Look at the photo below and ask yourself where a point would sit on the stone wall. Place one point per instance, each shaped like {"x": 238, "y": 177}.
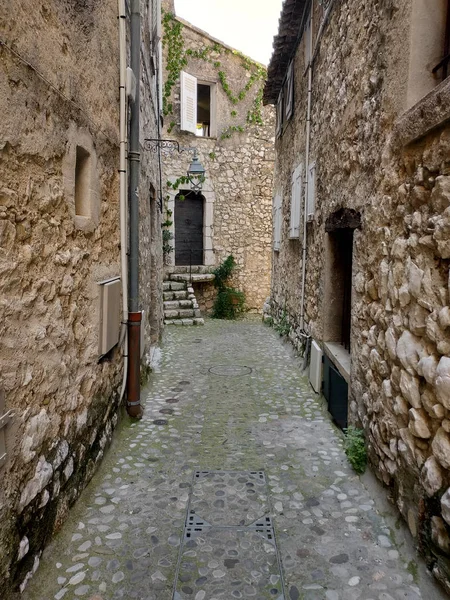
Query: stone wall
{"x": 391, "y": 166}
{"x": 238, "y": 187}
{"x": 63, "y": 399}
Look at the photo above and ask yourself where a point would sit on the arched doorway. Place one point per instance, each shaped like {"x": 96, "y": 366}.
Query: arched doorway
{"x": 189, "y": 228}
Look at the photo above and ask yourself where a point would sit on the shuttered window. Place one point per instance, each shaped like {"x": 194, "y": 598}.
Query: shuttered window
{"x": 277, "y": 221}
{"x": 311, "y": 195}
{"x": 188, "y": 85}
{"x": 296, "y": 202}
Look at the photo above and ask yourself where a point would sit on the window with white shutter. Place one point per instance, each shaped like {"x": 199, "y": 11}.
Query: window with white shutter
{"x": 277, "y": 220}
{"x": 188, "y": 85}
{"x": 289, "y": 95}
{"x": 311, "y": 195}
{"x": 296, "y": 202}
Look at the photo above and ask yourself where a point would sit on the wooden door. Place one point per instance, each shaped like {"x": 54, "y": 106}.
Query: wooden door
{"x": 189, "y": 229}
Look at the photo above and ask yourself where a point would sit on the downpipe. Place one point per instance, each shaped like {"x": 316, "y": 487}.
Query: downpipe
{"x": 134, "y": 408}
{"x": 123, "y": 190}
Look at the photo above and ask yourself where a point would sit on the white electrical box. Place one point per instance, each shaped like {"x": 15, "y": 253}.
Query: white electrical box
{"x": 315, "y": 367}
{"x": 109, "y": 326}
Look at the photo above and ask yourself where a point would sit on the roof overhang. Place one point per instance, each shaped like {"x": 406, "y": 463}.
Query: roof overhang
{"x": 285, "y": 43}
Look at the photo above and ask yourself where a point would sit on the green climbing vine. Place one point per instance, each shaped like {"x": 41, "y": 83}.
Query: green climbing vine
{"x": 177, "y": 59}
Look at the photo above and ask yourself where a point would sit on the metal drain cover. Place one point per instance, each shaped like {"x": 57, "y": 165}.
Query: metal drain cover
{"x": 184, "y": 382}
{"x": 166, "y": 411}
{"x": 230, "y": 370}
{"x": 160, "y": 422}
{"x": 172, "y": 400}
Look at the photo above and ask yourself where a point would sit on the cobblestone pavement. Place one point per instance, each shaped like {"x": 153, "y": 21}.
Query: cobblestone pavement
{"x": 234, "y": 476}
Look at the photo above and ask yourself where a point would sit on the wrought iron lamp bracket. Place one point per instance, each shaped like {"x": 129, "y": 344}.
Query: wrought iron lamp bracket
{"x": 167, "y": 146}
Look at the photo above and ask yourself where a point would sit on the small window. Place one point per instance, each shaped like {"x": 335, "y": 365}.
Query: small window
{"x": 197, "y": 106}
{"x": 82, "y": 183}
{"x": 289, "y": 93}
{"x": 203, "y": 110}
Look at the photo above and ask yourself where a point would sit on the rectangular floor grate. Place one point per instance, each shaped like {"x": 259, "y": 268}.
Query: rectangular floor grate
{"x": 227, "y": 546}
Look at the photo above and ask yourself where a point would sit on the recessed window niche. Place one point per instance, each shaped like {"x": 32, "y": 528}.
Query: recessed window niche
{"x": 81, "y": 180}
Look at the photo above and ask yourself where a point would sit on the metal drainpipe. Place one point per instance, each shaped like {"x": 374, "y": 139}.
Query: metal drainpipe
{"x": 134, "y": 408}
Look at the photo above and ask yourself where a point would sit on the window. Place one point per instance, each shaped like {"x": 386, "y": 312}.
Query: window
{"x": 289, "y": 93}
{"x": 82, "y": 183}
{"x": 429, "y": 47}
{"x": 311, "y": 194}
{"x": 296, "y": 199}
{"x": 197, "y": 106}
{"x": 277, "y": 206}
{"x": 443, "y": 65}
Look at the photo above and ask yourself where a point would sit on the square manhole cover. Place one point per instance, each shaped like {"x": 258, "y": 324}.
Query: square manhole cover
{"x": 229, "y": 498}
{"x": 229, "y": 563}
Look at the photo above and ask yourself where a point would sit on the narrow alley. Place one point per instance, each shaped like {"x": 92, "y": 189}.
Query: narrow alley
{"x": 233, "y": 485}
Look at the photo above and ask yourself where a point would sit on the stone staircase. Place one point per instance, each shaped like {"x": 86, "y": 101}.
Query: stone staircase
{"x": 180, "y": 305}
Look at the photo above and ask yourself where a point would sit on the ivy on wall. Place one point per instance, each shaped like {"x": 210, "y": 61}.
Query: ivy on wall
{"x": 178, "y": 57}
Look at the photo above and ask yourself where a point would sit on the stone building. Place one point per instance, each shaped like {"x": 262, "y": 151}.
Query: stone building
{"x": 361, "y": 247}
{"x": 60, "y": 361}
{"x": 212, "y": 99}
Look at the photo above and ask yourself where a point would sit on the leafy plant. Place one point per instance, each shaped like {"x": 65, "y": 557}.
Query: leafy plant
{"x": 229, "y": 302}
{"x": 283, "y": 327}
{"x": 355, "y": 448}
{"x": 167, "y": 237}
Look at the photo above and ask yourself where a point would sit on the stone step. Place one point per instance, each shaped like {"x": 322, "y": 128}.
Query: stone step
{"x": 182, "y": 295}
{"x": 186, "y": 322}
{"x": 174, "y": 286}
{"x": 177, "y": 304}
{"x": 181, "y": 313}
{"x": 195, "y": 278}
{"x": 185, "y": 269}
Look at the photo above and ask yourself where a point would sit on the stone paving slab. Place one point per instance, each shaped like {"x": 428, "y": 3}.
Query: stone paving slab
{"x": 228, "y": 397}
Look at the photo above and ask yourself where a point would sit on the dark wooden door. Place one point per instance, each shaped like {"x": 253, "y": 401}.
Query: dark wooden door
{"x": 189, "y": 229}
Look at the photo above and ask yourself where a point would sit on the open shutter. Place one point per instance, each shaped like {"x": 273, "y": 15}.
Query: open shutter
{"x": 296, "y": 199}
{"x": 311, "y": 198}
{"x": 188, "y": 85}
{"x": 279, "y": 125}
{"x": 289, "y": 92}
{"x": 307, "y": 37}
{"x": 160, "y": 76}
{"x": 277, "y": 222}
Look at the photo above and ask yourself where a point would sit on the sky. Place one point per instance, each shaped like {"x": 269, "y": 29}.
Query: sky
{"x": 246, "y": 25}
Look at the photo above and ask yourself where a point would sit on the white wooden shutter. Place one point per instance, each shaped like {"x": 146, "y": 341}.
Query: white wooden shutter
{"x": 279, "y": 124}
{"x": 307, "y": 38}
{"x": 296, "y": 202}
{"x": 160, "y": 75}
{"x": 188, "y": 85}
{"x": 277, "y": 222}
{"x": 289, "y": 92}
{"x": 311, "y": 196}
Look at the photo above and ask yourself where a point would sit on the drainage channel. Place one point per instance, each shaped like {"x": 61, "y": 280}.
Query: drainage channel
{"x": 229, "y": 548}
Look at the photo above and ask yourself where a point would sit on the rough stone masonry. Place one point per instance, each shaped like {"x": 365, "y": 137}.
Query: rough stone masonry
{"x": 380, "y": 140}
